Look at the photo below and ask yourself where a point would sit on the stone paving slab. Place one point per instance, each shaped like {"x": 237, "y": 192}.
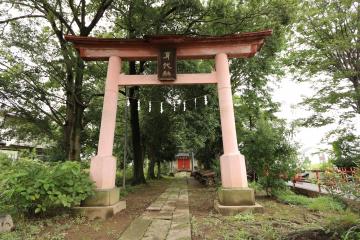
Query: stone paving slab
{"x": 165, "y": 215}
{"x": 167, "y": 218}
{"x": 179, "y": 231}
{"x": 158, "y": 230}
{"x": 136, "y": 230}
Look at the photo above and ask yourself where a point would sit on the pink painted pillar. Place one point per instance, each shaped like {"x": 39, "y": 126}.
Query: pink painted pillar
{"x": 103, "y": 165}
{"x": 232, "y": 163}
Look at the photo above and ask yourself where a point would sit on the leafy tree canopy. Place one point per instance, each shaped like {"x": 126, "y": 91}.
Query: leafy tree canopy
{"x": 326, "y": 52}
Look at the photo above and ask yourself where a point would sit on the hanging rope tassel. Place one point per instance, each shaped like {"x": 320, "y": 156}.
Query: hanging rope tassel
{"x": 184, "y": 106}
{"x": 149, "y": 106}
{"x": 205, "y": 100}
{"x": 195, "y": 102}
{"x": 138, "y": 107}
{"x": 161, "y": 108}
{"x": 128, "y": 102}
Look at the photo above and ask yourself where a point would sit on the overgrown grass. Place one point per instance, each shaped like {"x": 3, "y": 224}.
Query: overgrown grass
{"x": 288, "y": 197}
{"x": 346, "y": 224}
{"x": 322, "y": 203}
{"x": 242, "y": 217}
{"x": 325, "y": 204}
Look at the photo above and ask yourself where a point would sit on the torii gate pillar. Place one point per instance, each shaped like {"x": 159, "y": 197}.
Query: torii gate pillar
{"x": 234, "y": 196}
{"x": 232, "y": 163}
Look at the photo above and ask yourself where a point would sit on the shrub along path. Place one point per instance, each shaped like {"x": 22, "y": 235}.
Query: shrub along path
{"x": 66, "y": 226}
{"x": 166, "y": 218}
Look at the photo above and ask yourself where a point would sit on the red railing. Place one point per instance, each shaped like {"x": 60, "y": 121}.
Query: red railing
{"x": 347, "y": 174}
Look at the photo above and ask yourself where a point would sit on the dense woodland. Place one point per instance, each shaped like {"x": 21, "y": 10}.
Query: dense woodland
{"x": 50, "y": 96}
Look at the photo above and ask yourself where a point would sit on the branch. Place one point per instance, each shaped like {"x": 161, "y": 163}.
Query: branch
{"x": 100, "y": 12}
{"x": 49, "y": 9}
{"x": 100, "y": 95}
{"x": 75, "y": 12}
{"x": 21, "y": 17}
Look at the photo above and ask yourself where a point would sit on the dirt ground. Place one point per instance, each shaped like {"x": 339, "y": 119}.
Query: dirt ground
{"x": 279, "y": 221}
{"x": 136, "y": 203}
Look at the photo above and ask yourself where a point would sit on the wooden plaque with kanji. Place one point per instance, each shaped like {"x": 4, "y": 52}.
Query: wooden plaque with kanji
{"x": 167, "y": 64}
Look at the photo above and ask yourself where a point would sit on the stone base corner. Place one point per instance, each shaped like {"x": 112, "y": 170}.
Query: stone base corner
{"x": 233, "y": 210}
{"x": 103, "y": 204}
{"x": 102, "y": 212}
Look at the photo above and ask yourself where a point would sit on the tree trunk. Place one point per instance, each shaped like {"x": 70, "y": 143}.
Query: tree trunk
{"x": 75, "y": 112}
{"x": 158, "y": 169}
{"x": 355, "y": 81}
{"x": 138, "y": 170}
{"x": 151, "y": 172}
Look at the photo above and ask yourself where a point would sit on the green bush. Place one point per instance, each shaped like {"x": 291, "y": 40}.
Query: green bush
{"x": 256, "y": 186}
{"x": 31, "y": 186}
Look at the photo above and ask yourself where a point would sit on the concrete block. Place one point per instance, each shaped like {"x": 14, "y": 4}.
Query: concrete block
{"x": 6, "y": 223}
{"x": 102, "y": 212}
{"x": 103, "y": 197}
{"x": 236, "y": 196}
{"x": 233, "y": 210}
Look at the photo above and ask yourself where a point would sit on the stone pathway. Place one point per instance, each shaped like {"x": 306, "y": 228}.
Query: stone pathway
{"x": 167, "y": 218}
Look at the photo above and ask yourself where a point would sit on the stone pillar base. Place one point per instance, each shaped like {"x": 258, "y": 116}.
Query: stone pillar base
{"x": 236, "y": 196}
{"x": 236, "y": 200}
{"x": 103, "y": 204}
{"x": 233, "y": 210}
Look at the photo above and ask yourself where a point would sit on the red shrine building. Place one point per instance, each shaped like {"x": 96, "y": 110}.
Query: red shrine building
{"x": 183, "y": 162}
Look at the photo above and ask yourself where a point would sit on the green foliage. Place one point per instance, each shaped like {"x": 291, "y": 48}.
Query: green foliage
{"x": 32, "y": 187}
{"x": 326, "y": 44}
{"x": 346, "y": 150}
{"x": 268, "y": 151}
{"x": 43, "y": 82}
{"x": 341, "y": 184}
{"x": 256, "y": 186}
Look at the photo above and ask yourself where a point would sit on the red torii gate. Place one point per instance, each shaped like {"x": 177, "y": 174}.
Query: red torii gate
{"x": 235, "y": 195}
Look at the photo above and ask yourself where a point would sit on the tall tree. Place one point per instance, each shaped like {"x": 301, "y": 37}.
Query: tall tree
{"x": 35, "y": 94}
{"x": 135, "y": 19}
{"x": 326, "y": 53}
